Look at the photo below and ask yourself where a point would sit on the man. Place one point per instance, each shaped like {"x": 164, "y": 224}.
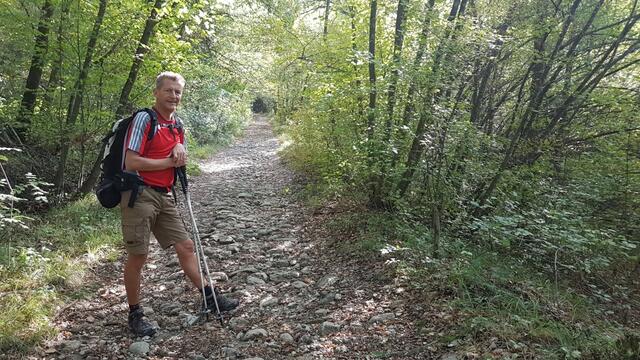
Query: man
{"x": 154, "y": 209}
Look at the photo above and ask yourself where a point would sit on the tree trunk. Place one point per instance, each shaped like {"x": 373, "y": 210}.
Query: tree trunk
{"x": 76, "y": 97}
{"x": 395, "y": 67}
{"x": 138, "y": 58}
{"x": 375, "y": 199}
{"x": 55, "y": 78}
{"x": 354, "y": 49}
{"x": 371, "y": 116}
{"x": 381, "y": 178}
{"x": 92, "y": 177}
{"x": 41, "y": 46}
{"x": 422, "y": 47}
{"x": 436, "y": 228}
{"x": 414, "y": 154}
{"x": 482, "y": 95}
{"x": 325, "y": 29}
{"x": 409, "y": 108}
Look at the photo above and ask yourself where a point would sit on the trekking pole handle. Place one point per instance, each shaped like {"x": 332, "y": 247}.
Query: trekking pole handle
{"x": 182, "y": 175}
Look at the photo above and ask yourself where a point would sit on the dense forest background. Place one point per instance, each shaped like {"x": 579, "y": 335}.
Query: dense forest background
{"x": 494, "y": 146}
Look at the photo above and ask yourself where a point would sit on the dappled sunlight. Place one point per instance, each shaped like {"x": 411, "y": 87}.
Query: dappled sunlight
{"x": 215, "y": 166}
{"x": 284, "y": 145}
{"x": 272, "y": 145}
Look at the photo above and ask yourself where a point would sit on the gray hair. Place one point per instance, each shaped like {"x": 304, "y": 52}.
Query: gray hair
{"x": 171, "y": 76}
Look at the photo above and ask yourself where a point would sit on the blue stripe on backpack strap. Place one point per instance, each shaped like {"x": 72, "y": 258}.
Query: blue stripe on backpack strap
{"x": 139, "y": 125}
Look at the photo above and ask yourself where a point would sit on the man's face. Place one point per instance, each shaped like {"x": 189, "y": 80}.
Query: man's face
{"x": 168, "y": 95}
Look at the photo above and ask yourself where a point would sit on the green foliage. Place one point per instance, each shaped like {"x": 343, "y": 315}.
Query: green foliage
{"x": 43, "y": 265}
{"x": 509, "y": 131}
{"x": 553, "y": 231}
{"x": 216, "y": 104}
{"x": 499, "y": 302}
{"x": 25, "y": 319}
{"x": 13, "y": 195}
{"x": 506, "y": 301}
{"x": 505, "y": 133}
{"x": 213, "y": 115}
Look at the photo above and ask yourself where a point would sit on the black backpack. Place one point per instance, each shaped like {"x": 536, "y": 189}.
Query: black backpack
{"x": 113, "y": 180}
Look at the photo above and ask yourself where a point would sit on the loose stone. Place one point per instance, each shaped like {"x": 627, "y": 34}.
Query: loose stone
{"x": 255, "y": 333}
{"x": 139, "y": 348}
{"x": 328, "y": 327}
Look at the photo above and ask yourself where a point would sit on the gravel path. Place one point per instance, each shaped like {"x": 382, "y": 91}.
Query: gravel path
{"x": 301, "y": 297}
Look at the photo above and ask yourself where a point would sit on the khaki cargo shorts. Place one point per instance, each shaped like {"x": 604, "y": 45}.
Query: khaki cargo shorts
{"x": 153, "y": 212}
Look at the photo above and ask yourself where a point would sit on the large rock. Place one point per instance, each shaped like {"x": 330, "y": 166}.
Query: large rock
{"x": 72, "y": 345}
{"x": 299, "y": 284}
{"x": 327, "y": 281}
{"x": 227, "y": 240}
{"x": 255, "y": 334}
{"x": 281, "y": 263}
{"x": 282, "y": 276}
{"x": 268, "y": 301}
{"x": 328, "y": 327}
{"x": 191, "y": 320}
{"x": 148, "y": 310}
{"x": 230, "y": 353}
{"x": 219, "y": 275}
{"x": 287, "y": 338}
{"x": 253, "y": 280}
{"x": 247, "y": 269}
{"x": 238, "y": 323}
{"x": 210, "y": 251}
{"x": 382, "y": 318}
{"x": 261, "y": 275}
{"x": 172, "y": 308}
{"x": 139, "y": 348}
{"x": 327, "y": 298}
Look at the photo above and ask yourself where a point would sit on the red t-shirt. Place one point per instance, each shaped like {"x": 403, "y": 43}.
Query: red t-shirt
{"x": 164, "y": 140}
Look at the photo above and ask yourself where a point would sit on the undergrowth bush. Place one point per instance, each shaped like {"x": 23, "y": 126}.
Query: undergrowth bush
{"x": 43, "y": 265}
{"x": 511, "y": 303}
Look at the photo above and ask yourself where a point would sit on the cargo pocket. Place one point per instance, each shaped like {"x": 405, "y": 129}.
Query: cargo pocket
{"x": 135, "y": 233}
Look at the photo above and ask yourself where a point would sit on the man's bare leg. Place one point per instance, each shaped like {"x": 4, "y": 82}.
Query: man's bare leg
{"x": 132, "y": 276}
{"x": 189, "y": 262}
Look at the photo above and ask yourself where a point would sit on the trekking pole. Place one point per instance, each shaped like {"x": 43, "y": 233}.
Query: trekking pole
{"x": 200, "y": 255}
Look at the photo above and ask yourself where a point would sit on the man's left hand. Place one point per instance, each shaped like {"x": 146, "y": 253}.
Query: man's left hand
{"x": 179, "y": 153}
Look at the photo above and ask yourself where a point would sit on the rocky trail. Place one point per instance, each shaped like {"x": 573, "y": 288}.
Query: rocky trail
{"x": 301, "y": 297}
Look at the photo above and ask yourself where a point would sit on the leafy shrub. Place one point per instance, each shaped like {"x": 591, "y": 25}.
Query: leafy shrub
{"x": 212, "y": 114}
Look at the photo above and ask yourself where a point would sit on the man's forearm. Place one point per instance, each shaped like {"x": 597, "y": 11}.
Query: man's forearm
{"x": 136, "y": 162}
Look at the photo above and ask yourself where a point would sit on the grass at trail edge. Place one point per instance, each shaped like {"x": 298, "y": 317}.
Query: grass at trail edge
{"x": 43, "y": 267}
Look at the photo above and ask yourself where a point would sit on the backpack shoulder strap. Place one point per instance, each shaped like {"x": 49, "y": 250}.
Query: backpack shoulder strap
{"x": 179, "y": 124}
{"x": 154, "y": 122}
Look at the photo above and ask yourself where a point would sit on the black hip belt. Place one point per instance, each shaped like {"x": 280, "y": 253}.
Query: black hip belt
{"x": 160, "y": 189}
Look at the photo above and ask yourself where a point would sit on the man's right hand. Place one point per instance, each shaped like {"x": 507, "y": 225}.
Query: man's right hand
{"x": 178, "y": 162}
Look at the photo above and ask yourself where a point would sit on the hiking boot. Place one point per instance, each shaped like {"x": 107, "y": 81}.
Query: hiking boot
{"x": 224, "y": 303}
{"x": 139, "y": 325}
